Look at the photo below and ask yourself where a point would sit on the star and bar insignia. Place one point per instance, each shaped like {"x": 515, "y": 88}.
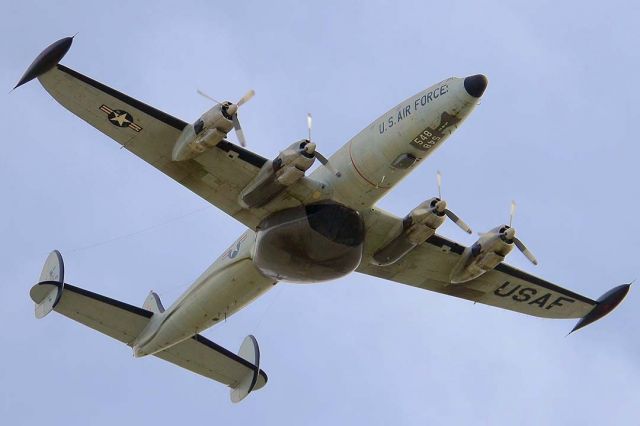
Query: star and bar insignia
{"x": 120, "y": 118}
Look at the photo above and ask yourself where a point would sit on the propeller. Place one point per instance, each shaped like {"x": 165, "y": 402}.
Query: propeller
{"x": 204, "y": 95}
{"x": 512, "y": 212}
{"x": 310, "y": 149}
{"x": 509, "y": 236}
{"x": 232, "y": 110}
{"x": 527, "y": 253}
{"x": 440, "y": 208}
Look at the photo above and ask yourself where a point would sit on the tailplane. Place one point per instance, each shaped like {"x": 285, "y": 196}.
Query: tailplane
{"x": 125, "y": 322}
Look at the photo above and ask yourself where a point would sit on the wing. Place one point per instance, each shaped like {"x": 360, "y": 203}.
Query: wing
{"x": 218, "y": 175}
{"x": 428, "y": 267}
{"x": 124, "y": 322}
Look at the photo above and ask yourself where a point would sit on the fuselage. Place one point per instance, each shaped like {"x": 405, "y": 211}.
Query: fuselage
{"x": 394, "y": 144}
{"x": 322, "y": 239}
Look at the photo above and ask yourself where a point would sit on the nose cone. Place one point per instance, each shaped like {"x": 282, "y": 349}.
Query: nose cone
{"x": 475, "y": 85}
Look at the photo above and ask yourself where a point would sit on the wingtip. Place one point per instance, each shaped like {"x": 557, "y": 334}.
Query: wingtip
{"x": 46, "y": 60}
{"x": 605, "y": 304}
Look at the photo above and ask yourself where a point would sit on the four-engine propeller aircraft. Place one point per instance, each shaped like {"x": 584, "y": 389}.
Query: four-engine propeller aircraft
{"x": 300, "y": 228}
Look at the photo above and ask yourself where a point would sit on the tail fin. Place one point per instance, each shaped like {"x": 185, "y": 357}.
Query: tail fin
{"x": 153, "y": 303}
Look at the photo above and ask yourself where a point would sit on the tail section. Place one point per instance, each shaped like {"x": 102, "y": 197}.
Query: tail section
{"x": 250, "y": 352}
{"x": 47, "y": 297}
{"x": 152, "y": 303}
{"x": 125, "y": 322}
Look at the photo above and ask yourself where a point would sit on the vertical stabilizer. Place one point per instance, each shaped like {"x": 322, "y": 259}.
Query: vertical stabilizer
{"x": 250, "y": 352}
{"x": 152, "y": 303}
{"x": 46, "y": 294}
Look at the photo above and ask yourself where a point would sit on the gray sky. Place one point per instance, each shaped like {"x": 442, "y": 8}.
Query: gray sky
{"x": 556, "y": 130}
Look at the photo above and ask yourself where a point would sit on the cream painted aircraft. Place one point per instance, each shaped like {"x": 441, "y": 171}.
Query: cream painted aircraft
{"x": 300, "y": 228}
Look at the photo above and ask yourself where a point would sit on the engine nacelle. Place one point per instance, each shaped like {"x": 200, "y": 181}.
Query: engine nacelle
{"x": 483, "y": 256}
{"x": 274, "y": 176}
{"x": 417, "y": 227}
{"x": 209, "y": 130}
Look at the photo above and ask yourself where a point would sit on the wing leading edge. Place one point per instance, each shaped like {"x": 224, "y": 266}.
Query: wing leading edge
{"x": 428, "y": 267}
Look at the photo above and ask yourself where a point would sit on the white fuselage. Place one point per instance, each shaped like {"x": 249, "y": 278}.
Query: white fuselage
{"x": 370, "y": 164}
{"x": 415, "y": 127}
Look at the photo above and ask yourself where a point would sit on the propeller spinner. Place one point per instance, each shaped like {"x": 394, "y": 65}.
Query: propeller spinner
{"x": 439, "y": 207}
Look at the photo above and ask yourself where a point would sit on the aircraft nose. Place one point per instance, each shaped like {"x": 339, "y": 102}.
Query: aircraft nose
{"x": 475, "y": 85}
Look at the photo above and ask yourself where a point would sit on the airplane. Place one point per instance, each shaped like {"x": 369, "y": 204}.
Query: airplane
{"x": 302, "y": 229}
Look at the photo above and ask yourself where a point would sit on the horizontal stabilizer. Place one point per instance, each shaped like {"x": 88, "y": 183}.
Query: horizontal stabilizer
{"x": 211, "y": 360}
{"x": 125, "y": 322}
{"x": 116, "y": 319}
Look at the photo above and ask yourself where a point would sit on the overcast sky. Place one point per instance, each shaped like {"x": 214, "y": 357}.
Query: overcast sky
{"x": 556, "y": 131}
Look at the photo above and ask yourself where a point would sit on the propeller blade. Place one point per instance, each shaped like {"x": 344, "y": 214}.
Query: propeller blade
{"x": 513, "y": 212}
{"x": 201, "y": 93}
{"x": 324, "y": 160}
{"x": 239, "y": 132}
{"x": 525, "y": 251}
{"x": 247, "y": 96}
{"x": 439, "y": 179}
{"x": 451, "y": 215}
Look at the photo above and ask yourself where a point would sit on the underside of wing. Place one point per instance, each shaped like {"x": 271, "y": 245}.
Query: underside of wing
{"x": 197, "y": 156}
{"x": 429, "y": 265}
{"x": 218, "y": 175}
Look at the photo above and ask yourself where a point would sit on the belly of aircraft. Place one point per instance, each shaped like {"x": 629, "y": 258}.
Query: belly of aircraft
{"x": 312, "y": 243}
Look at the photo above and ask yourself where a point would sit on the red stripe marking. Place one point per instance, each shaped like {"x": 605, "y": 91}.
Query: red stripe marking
{"x": 361, "y": 175}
